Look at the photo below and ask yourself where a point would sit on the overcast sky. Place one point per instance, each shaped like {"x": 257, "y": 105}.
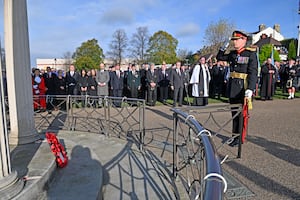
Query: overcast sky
{"x": 59, "y": 26}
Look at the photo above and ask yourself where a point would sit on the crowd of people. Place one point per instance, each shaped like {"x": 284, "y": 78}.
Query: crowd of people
{"x": 233, "y": 74}
{"x": 212, "y": 78}
{"x": 285, "y": 75}
{"x": 208, "y": 78}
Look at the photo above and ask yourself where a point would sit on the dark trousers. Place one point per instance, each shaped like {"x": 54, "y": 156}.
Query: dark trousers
{"x": 237, "y": 121}
{"x": 117, "y": 93}
{"x": 152, "y": 96}
{"x": 163, "y": 93}
{"x": 134, "y": 92}
{"x": 72, "y": 90}
{"x": 176, "y": 92}
{"x": 200, "y": 101}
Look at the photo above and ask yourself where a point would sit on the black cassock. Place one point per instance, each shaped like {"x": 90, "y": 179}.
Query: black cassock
{"x": 268, "y": 79}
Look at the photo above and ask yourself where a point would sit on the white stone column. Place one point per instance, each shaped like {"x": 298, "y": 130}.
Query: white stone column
{"x": 18, "y": 70}
{"x": 10, "y": 184}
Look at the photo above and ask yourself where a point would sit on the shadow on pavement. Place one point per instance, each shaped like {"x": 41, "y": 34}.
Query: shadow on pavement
{"x": 160, "y": 138}
{"x": 80, "y": 179}
{"x": 264, "y": 182}
{"x": 129, "y": 168}
{"x": 278, "y": 150}
{"x": 21, "y": 156}
{"x": 162, "y": 114}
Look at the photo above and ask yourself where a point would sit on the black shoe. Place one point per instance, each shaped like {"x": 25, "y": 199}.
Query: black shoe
{"x": 235, "y": 142}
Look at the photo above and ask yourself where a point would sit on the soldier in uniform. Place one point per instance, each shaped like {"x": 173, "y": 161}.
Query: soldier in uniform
{"x": 243, "y": 75}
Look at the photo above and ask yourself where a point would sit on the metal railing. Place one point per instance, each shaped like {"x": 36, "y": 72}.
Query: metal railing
{"x": 218, "y": 119}
{"x": 195, "y": 159}
{"x": 98, "y": 114}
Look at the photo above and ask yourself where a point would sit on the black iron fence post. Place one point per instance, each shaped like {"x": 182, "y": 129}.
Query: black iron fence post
{"x": 175, "y": 131}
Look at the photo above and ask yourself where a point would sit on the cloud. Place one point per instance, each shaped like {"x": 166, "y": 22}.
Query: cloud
{"x": 189, "y": 29}
{"x": 117, "y": 16}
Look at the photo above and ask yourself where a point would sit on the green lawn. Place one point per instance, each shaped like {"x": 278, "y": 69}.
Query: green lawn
{"x": 278, "y": 95}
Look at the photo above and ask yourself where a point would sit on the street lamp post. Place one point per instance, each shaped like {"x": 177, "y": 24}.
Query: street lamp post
{"x": 298, "y": 47}
{"x": 55, "y": 63}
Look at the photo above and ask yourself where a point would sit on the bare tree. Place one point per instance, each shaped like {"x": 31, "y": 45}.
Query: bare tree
{"x": 68, "y": 59}
{"x": 216, "y": 34}
{"x": 182, "y": 54}
{"x": 139, "y": 44}
{"x": 118, "y": 46}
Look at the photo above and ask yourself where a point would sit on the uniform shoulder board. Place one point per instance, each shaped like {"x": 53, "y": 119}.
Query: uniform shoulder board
{"x": 251, "y": 48}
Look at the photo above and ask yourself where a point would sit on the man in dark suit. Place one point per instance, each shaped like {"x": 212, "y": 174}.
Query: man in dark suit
{"x": 50, "y": 78}
{"x": 177, "y": 84}
{"x": 134, "y": 82}
{"x": 71, "y": 81}
{"x": 163, "y": 82}
{"x": 152, "y": 80}
{"x": 117, "y": 84}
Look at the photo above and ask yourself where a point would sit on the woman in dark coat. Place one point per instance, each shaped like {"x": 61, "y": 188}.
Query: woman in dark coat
{"x": 60, "y": 89}
{"x": 83, "y": 82}
{"x": 83, "y": 85}
{"x": 60, "y": 84}
{"x": 92, "y": 89}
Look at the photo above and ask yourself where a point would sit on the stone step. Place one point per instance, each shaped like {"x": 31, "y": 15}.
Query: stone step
{"x": 35, "y": 163}
{"x": 82, "y": 178}
{"x": 127, "y": 172}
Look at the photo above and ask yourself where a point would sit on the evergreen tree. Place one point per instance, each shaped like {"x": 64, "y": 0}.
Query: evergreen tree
{"x": 89, "y": 55}
{"x": 162, "y": 47}
{"x": 266, "y": 52}
{"x": 292, "y": 50}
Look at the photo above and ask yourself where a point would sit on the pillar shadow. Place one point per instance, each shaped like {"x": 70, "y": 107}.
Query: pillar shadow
{"x": 21, "y": 156}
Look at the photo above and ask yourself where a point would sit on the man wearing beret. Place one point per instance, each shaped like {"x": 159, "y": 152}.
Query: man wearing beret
{"x": 243, "y": 75}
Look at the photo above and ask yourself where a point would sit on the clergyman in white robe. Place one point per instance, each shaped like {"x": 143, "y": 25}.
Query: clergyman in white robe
{"x": 200, "y": 84}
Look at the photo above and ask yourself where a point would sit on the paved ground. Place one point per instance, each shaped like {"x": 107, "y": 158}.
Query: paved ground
{"x": 269, "y": 167}
{"x": 270, "y": 163}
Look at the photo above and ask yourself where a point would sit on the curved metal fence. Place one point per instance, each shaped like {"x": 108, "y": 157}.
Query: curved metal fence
{"x": 98, "y": 114}
{"x": 195, "y": 159}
